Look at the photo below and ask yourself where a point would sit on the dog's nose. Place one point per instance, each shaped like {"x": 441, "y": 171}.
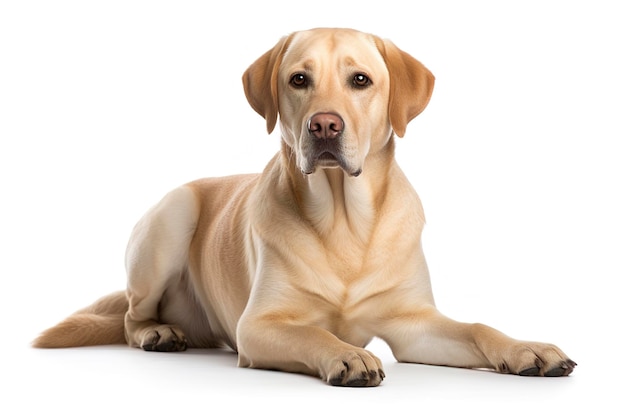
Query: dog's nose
{"x": 325, "y": 125}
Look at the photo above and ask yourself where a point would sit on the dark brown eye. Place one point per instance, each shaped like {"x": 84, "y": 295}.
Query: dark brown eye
{"x": 361, "y": 80}
{"x": 299, "y": 80}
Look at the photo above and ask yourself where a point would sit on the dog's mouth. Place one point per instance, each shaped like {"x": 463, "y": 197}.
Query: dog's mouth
{"x": 329, "y": 159}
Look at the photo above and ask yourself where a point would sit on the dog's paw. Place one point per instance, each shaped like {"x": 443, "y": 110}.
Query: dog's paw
{"x": 536, "y": 359}
{"x": 164, "y": 338}
{"x": 357, "y": 368}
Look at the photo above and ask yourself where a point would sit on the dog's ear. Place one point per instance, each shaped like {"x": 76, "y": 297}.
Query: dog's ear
{"x": 410, "y": 85}
{"x": 260, "y": 83}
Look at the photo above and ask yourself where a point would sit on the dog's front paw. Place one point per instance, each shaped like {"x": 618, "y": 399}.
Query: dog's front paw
{"x": 164, "y": 338}
{"x": 536, "y": 359}
{"x": 357, "y": 368}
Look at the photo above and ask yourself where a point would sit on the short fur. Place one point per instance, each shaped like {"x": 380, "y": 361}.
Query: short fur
{"x": 299, "y": 267}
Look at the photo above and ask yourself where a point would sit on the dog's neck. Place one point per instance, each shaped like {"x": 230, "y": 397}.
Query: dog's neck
{"x": 333, "y": 200}
{"x": 338, "y": 204}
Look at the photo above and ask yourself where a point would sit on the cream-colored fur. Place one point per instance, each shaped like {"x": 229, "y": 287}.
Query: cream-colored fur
{"x": 299, "y": 267}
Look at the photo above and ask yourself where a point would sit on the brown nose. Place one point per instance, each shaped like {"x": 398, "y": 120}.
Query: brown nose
{"x": 325, "y": 125}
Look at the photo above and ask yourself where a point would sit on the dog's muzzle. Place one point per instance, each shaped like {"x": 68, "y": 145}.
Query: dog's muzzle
{"x": 325, "y": 144}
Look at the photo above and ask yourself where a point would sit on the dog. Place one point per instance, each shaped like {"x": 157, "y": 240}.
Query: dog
{"x": 299, "y": 267}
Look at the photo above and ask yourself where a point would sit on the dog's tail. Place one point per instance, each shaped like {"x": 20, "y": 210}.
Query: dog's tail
{"x": 102, "y": 323}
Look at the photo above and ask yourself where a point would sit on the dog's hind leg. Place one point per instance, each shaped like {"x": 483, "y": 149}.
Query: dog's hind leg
{"x": 156, "y": 259}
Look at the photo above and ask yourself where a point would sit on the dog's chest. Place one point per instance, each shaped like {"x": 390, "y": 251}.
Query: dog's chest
{"x": 347, "y": 273}
{"x": 346, "y": 254}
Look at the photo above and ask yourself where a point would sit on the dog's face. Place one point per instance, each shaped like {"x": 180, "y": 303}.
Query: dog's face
{"x": 339, "y": 93}
{"x": 333, "y": 92}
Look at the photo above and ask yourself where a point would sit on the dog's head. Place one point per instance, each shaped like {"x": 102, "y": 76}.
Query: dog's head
{"x": 339, "y": 94}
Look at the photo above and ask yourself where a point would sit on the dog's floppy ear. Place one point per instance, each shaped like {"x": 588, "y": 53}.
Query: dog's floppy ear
{"x": 260, "y": 83}
{"x": 410, "y": 85}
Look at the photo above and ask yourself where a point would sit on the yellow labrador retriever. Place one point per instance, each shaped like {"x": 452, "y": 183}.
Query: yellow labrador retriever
{"x": 299, "y": 267}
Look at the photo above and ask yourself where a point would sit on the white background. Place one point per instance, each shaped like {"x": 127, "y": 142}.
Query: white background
{"x": 519, "y": 160}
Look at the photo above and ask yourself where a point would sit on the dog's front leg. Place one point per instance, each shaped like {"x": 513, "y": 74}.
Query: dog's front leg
{"x": 426, "y": 336}
{"x": 270, "y": 343}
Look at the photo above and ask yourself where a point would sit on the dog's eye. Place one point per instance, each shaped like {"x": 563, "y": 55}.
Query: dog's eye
{"x": 299, "y": 80}
{"x": 361, "y": 80}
